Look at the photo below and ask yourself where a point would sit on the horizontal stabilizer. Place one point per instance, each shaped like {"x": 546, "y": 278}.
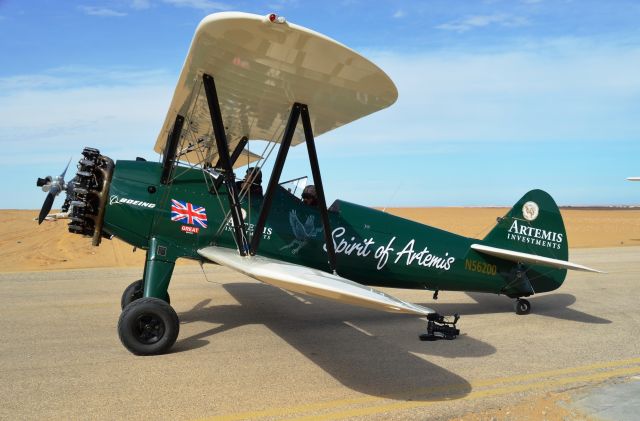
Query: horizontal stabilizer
{"x": 516, "y": 256}
{"x": 305, "y": 280}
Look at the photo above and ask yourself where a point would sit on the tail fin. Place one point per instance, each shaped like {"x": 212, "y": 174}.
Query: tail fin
{"x": 532, "y": 236}
{"x": 534, "y": 225}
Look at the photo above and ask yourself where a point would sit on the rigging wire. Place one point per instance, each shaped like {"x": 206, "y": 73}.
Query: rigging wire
{"x": 206, "y": 278}
{"x": 268, "y": 149}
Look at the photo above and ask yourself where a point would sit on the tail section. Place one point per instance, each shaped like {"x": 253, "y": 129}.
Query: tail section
{"x": 534, "y": 226}
{"x": 532, "y": 239}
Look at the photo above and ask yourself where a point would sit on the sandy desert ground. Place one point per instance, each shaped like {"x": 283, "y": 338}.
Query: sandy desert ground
{"x": 28, "y": 247}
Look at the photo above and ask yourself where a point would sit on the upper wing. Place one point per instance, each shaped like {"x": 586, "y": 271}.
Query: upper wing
{"x": 202, "y": 150}
{"x": 534, "y": 259}
{"x": 260, "y": 69}
{"x": 309, "y": 281}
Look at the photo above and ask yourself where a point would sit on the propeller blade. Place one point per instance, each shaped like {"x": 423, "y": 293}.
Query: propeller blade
{"x": 46, "y": 207}
{"x": 65, "y": 169}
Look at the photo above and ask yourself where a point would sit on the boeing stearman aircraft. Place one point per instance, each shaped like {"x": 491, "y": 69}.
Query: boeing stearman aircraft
{"x": 248, "y": 78}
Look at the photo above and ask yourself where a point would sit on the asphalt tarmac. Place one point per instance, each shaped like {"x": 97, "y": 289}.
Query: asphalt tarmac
{"x": 251, "y": 351}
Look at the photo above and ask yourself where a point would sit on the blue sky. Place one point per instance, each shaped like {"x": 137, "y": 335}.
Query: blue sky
{"x": 495, "y": 97}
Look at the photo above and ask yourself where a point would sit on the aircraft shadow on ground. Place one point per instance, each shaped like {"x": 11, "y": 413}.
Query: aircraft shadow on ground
{"x": 556, "y": 306}
{"x": 384, "y": 364}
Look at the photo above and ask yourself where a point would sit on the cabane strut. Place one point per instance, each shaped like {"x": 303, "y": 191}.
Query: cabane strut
{"x": 239, "y": 230}
{"x": 226, "y": 162}
{"x": 297, "y": 110}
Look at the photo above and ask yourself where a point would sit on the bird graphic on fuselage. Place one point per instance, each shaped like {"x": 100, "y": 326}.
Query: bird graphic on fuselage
{"x": 302, "y": 232}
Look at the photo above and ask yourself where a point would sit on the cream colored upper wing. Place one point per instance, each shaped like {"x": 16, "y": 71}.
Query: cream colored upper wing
{"x": 310, "y": 281}
{"x": 260, "y": 69}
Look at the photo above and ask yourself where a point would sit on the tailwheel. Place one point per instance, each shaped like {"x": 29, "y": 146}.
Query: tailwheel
{"x": 148, "y": 326}
{"x": 522, "y": 306}
{"x": 134, "y": 292}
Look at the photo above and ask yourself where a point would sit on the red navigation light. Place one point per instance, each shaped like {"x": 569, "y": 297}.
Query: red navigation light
{"x": 273, "y": 18}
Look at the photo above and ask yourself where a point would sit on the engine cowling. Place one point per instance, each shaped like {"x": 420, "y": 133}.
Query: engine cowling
{"x": 89, "y": 194}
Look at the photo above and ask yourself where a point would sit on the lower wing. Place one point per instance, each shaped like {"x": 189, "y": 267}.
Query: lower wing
{"x": 305, "y": 280}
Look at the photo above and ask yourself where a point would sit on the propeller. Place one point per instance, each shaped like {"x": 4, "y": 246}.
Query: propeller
{"x": 53, "y": 186}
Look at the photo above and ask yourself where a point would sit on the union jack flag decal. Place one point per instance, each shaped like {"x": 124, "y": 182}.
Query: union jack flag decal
{"x": 187, "y": 213}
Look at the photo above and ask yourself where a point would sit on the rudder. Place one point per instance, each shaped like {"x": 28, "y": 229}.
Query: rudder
{"x": 533, "y": 225}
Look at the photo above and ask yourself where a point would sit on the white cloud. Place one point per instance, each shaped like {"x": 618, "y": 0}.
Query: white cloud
{"x": 481, "y": 21}
{"x": 569, "y": 90}
{"x": 280, "y": 5}
{"x": 559, "y": 90}
{"x": 56, "y": 114}
{"x": 140, "y": 4}
{"x": 63, "y": 77}
{"x": 399, "y": 14}
{"x": 100, "y": 11}
{"x": 199, "y": 4}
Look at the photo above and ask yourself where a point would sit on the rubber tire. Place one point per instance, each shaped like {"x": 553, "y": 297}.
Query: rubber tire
{"x": 522, "y": 307}
{"x": 134, "y": 292}
{"x": 148, "y": 326}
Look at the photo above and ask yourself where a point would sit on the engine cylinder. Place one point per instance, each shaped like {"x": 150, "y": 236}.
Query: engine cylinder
{"x": 89, "y": 195}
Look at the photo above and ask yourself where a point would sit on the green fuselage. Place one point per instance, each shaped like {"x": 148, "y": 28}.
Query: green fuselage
{"x": 372, "y": 247}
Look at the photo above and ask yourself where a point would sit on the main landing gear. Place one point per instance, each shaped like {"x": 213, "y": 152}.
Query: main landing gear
{"x": 148, "y": 326}
{"x": 440, "y": 328}
{"x": 522, "y": 306}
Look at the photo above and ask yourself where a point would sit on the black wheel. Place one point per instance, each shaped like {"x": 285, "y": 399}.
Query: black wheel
{"x": 148, "y": 326}
{"x": 135, "y": 291}
{"x": 131, "y": 293}
{"x": 523, "y": 306}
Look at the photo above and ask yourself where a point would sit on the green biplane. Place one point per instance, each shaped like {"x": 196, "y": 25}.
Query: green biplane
{"x": 256, "y": 78}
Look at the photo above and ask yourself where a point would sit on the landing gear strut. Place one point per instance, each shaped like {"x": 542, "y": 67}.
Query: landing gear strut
{"x": 522, "y": 306}
{"x": 439, "y": 328}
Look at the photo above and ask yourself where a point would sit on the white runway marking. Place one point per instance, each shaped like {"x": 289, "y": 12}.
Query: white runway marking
{"x": 359, "y": 329}
{"x": 297, "y": 297}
